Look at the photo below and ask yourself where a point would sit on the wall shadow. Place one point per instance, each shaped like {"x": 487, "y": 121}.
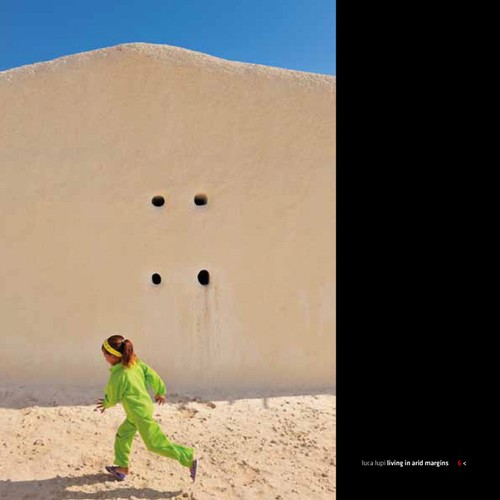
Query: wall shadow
{"x": 57, "y": 488}
{"x": 26, "y": 396}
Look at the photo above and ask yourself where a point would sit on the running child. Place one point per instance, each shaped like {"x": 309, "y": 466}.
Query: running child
{"x": 128, "y": 384}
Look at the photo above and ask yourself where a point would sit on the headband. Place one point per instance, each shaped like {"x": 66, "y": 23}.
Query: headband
{"x": 112, "y": 351}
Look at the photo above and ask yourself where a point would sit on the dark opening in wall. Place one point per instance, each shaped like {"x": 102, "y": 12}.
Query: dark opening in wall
{"x": 158, "y": 201}
{"x": 204, "y": 277}
{"x": 200, "y": 199}
{"x": 156, "y": 279}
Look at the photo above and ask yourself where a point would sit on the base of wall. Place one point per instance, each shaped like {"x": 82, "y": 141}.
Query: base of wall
{"x": 28, "y": 395}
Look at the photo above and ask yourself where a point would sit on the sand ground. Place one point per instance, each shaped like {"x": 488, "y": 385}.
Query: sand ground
{"x": 258, "y": 448}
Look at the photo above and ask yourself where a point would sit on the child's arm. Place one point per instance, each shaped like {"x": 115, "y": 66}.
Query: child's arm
{"x": 161, "y": 400}
{"x": 154, "y": 381}
{"x": 113, "y": 392}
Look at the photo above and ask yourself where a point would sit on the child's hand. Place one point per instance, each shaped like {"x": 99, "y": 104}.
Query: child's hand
{"x": 161, "y": 400}
{"x": 100, "y": 405}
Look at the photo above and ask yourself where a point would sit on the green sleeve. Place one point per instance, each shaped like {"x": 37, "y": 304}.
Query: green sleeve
{"x": 153, "y": 380}
{"x": 114, "y": 391}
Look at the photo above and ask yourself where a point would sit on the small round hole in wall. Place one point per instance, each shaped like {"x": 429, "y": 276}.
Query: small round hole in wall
{"x": 156, "y": 279}
{"x": 204, "y": 277}
{"x": 200, "y": 199}
{"x": 158, "y": 201}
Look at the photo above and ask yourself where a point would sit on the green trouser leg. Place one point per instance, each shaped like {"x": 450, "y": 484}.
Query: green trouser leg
{"x": 157, "y": 442}
{"x": 123, "y": 442}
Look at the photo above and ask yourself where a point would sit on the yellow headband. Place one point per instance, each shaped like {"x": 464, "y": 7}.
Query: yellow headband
{"x": 112, "y": 351}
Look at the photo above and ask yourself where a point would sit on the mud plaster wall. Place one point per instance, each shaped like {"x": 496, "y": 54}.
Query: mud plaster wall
{"x": 87, "y": 141}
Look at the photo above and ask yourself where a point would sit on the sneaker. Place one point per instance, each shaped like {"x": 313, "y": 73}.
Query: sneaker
{"x": 193, "y": 469}
{"x": 118, "y": 475}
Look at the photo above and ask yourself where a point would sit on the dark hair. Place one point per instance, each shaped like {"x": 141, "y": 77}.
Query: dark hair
{"x": 124, "y": 347}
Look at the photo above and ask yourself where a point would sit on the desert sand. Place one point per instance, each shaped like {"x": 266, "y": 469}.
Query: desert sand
{"x": 256, "y": 448}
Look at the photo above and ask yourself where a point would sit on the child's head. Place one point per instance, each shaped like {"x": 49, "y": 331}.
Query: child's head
{"x": 117, "y": 349}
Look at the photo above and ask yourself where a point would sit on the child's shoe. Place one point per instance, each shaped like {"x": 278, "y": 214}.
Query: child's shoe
{"x": 118, "y": 475}
{"x": 193, "y": 469}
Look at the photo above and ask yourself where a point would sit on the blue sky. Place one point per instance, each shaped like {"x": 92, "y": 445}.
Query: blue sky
{"x": 293, "y": 34}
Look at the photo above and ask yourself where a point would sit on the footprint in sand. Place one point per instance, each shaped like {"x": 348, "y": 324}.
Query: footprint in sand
{"x": 248, "y": 473}
{"x": 187, "y": 412}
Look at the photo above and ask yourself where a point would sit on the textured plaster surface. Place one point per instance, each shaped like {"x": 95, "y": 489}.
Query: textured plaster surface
{"x": 86, "y": 141}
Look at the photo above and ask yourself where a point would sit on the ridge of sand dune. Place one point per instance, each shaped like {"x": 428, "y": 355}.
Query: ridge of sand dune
{"x": 273, "y": 448}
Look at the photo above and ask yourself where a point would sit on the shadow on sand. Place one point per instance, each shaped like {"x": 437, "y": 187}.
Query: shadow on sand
{"x": 57, "y": 488}
{"x": 20, "y": 396}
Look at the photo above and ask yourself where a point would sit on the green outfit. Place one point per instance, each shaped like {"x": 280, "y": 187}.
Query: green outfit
{"x": 130, "y": 387}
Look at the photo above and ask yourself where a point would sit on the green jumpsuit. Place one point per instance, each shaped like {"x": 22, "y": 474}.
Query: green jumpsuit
{"x": 130, "y": 386}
